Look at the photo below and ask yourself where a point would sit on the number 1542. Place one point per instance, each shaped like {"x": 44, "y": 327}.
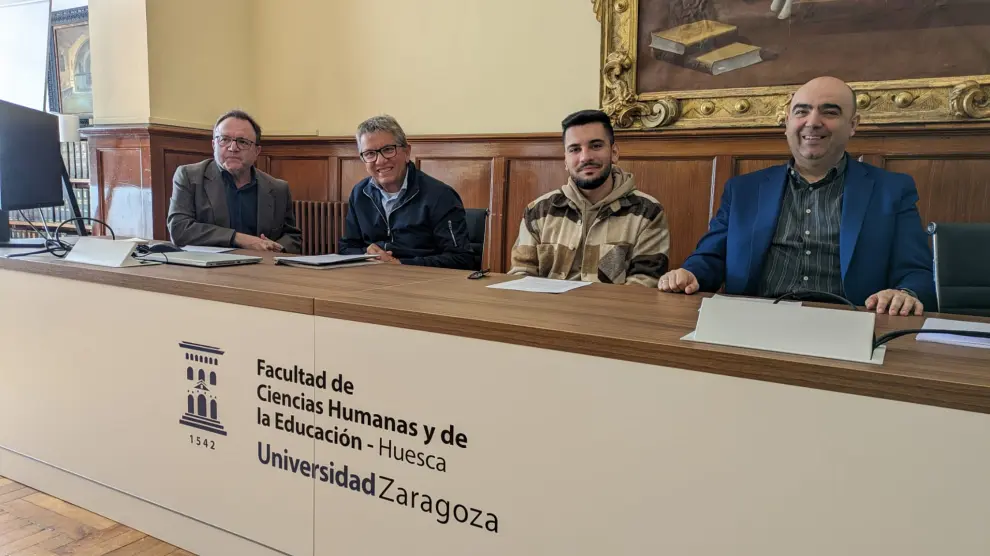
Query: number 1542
{"x": 204, "y": 442}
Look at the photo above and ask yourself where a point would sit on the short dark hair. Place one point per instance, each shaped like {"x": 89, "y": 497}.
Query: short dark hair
{"x": 241, "y": 115}
{"x": 584, "y": 117}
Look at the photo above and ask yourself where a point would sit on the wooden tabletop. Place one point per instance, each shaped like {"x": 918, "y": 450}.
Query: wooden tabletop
{"x": 629, "y": 323}
{"x": 264, "y": 285}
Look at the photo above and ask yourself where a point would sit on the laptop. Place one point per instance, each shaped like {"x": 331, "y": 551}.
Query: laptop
{"x": 205, "y": 260}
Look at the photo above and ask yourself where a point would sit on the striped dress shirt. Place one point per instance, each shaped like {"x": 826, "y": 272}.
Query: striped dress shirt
{"x": 804, "y": 252}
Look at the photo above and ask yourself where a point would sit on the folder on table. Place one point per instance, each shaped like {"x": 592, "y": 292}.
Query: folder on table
{"x": 327, "y": 261}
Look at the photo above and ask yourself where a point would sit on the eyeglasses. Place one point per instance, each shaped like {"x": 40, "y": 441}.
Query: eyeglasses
{"x": 477, "y": 274}
{"x": 225, "y": 142}
{"x": 387, "y": 152}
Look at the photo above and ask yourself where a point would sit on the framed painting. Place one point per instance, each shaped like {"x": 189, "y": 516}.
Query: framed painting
{"x": 734, "y": 63}
{"x": 70, "y": 89}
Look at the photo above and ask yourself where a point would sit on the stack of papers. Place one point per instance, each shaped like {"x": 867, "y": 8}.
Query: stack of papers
{"x": 327, "y": 261}
{"x": 944, "y": 324}
{"x": 540, "y": 285}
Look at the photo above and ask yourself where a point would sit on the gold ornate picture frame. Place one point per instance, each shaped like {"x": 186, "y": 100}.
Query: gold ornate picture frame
{"x": 942, "y": 99}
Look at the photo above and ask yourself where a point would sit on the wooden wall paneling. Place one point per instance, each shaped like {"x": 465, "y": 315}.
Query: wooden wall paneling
{"x": 96, "y": 209}
{"x": 470, "y": 177}
{"x": 171, "y": 162}
{"x": 747, "y": 165}
{"x": 535, "y": 145}
{"x": 681, "y": 187}
{"x": 753, "y": 146}
{"x": 494, "y": 238}
{"x": 126, "y": 195}
{"x": 122, "y": 197}
{"x": 333, "y": 193}
{"x": 873, "y": 159}
{"x": 961, "y": 139}
{"x": 309, "y": 177}
{"x": 310, "y": 165}
{"x": 352, "y": 171}
{"x": 171, "y": 148}
{"x": 724, "y": 169}
{"x": 527, "y": 180}
{"x": 949, "y": 162}
{"x": 264, "y": 163}
{"x": 949, "y": 189}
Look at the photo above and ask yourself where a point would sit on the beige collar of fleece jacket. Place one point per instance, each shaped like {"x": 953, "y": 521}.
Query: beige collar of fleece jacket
{"x": 623, "y": 183}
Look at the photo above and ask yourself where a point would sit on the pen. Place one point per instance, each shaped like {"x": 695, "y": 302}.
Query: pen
{"x": 450, "y": 226}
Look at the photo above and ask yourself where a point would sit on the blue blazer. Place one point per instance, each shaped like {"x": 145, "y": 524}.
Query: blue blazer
{"x": 882, "y": 244}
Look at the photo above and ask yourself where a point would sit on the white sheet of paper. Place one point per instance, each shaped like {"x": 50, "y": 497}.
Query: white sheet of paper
{"x": 945, "y": 324}
{"x": 207, "y": 249}
{"x": 540, "y": 285}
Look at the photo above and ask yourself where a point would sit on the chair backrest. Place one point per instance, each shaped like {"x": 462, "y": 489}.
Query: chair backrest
{"x": 962, "y": 267}
{"x": 477, "y": 220}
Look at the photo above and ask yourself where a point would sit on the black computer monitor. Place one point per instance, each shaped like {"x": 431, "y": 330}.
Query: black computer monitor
{"x": 32, "y": 171}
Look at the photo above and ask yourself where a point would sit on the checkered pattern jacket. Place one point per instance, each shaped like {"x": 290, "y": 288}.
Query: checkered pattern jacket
{"x": 623, "y": 239}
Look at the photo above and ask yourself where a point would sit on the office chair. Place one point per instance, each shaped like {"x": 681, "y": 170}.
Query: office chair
{"x": 962, "y": 267}
{"x": 476, "y": 226}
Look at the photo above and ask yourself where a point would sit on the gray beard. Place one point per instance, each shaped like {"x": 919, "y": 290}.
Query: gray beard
{"x": 244, "y": 173}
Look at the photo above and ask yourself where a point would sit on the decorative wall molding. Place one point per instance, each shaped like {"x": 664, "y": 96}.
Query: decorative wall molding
{"x": 880, "y": 102}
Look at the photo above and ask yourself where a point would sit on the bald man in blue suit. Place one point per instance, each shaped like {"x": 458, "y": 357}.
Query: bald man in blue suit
{"x": 824, "y": 223}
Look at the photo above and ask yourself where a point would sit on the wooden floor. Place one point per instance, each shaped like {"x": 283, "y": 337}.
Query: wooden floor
{"x": 35, "y": 524}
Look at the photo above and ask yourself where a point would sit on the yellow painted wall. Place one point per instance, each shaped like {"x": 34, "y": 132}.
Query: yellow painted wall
{"x": 298, "y": 52}
{"x": 439, "y": 66}
{"x": 322, "y": 66}
{"x": 119, "y": 63}
{"x": 200, "y": 57}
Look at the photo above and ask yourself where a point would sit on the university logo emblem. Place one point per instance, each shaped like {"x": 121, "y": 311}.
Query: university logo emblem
{"x": 201, "y": 376}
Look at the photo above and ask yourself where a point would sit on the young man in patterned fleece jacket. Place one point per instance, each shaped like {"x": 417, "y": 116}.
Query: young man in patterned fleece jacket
{"x": 597, "y": 227}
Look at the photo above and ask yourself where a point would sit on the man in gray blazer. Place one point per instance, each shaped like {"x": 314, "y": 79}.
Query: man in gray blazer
{"x": 227, "y": 202}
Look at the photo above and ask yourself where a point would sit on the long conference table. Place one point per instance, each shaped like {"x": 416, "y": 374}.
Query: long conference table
{"x": 385, "y": 409}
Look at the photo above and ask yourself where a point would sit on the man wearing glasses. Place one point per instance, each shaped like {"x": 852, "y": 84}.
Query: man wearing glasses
{"x": 400, "y": 213}
{"x": 226, "y": 202}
